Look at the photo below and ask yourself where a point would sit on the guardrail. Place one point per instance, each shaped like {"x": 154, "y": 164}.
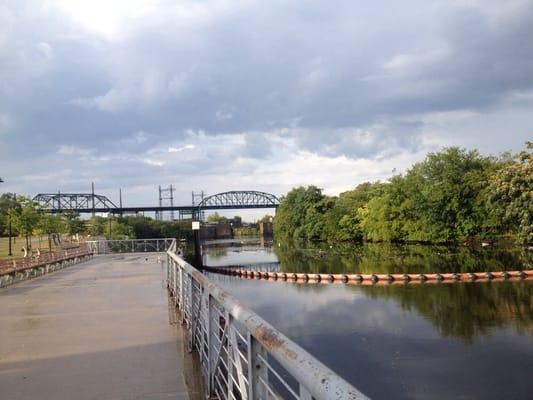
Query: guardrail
{"x": 129, "y": 245}
{"x": 242, "y": 356}
{"x": 19, "y": 269}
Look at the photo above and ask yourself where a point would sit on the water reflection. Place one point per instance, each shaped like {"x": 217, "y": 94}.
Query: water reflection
{"x": 466, "y": 310}
{"x": 420, "y": 341}
{"x": 390, "y": 258}
{"x": 403, "y": 341}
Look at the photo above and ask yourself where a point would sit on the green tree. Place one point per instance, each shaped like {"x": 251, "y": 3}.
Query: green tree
{"x": 510, "y": 195}
{"x": 293, "y": 212}
{"x": 49, "y": 224}
{"x": 216, "y": 218}
{"x": 96, "y": 226}
{"x": 7, "y": 202}
{"x": 118, "y": 228}
{"x": 25, "y": 217}
{"x": 346, "y": 210}
{"x": 440, "y": 199}
{"x": 73, "y": 224}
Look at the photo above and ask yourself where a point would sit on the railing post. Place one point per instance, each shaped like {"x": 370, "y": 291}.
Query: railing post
{"x": 257, "y": 370}
{"x": 212, "y": 328}
{"x": 181, "y": 295}
{"x": 168, "y": 271}
{"x": 175, "y": 281}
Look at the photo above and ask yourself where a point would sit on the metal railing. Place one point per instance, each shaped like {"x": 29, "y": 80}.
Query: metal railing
{"x": 241, "y": 355}
{"x": 256, "y": 267}
{"x": 25, "y": 263}
{"x": 129, "y": 245}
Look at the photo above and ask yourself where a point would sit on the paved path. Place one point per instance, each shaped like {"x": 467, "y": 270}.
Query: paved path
{"x": 96, "y": 330}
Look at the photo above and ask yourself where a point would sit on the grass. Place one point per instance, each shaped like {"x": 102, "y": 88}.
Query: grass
{"x": 18, "y": 243}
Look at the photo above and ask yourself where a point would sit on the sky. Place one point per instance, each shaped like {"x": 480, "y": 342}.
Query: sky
{"x": 221, "y": 95}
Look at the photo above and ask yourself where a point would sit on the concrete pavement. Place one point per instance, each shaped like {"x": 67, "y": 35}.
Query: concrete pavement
{"x": 97, "y": 330}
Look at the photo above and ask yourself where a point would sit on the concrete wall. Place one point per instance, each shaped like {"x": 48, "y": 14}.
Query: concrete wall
{"x": 265, "y": 229}
{"x": 216, "y": 231}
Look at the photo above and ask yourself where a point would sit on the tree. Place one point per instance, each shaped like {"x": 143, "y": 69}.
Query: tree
{"x": 346, "y": 207}
{"x": 267, "y": 218}
{"x": 73, "y": 224}
{"x": 293, "y": 212}
{"x": 25, "y": 217}
{"x": 440, "y": 199}
{"x": 119, "y": 229}
{"x": 96, "y": 226}
{"x": 236, "y": 221}
{"x": 49, "y": 224}
{"x": 511, "y": 195}
{"x": 216, "y": 218}
{"x": 7, "y": 202}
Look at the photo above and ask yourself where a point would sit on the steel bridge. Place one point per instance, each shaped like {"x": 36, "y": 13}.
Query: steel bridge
{"x": 95, "y": 203}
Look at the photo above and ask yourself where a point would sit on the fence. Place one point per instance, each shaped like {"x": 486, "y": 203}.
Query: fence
{"x": 20, "y": 269}
{"x": 242, "y": 356}
{"x": 129, "y": 245}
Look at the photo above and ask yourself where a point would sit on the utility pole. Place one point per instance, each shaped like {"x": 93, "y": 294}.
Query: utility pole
{"x": 166, "y": 198}
{"x": 92, "y": 192}
{"x": 120, "y": 200}
{"x": 10, "y": 252}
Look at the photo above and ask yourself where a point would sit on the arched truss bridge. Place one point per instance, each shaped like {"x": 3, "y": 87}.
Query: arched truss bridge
{"x": 239, "y": 199}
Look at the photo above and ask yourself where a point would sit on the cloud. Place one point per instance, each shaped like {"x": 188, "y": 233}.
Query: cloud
{"x": 155, "y": 163}
{"x": 182, "y": 148}
{"x": 228, "y": 92}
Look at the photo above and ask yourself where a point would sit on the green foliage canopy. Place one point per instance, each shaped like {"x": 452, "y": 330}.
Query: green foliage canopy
{"x": 451, "y": 195}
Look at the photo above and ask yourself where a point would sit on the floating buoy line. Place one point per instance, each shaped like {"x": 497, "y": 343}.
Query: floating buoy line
{"x": 374, "y": 279}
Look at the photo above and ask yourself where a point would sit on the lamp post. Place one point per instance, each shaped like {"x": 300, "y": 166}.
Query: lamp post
{"x": 197, "y": 250}
{"x": 10, "y": 227}
{"x": 10, "y": 253}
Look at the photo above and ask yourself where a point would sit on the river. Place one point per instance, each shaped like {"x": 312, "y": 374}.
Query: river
{"x": 416, "y": 341}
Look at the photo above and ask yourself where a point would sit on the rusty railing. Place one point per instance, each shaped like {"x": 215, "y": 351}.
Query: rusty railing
{"x": 241, "y": 355}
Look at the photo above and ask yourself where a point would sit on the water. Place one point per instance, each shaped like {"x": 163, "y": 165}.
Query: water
{"x": 461, "y": 340}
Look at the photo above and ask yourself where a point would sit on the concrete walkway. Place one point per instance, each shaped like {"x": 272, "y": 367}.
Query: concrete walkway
{"x": 96, "y": 330}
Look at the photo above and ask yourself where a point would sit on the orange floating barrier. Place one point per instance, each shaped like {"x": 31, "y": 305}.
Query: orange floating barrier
{"x": 378, "y": 279}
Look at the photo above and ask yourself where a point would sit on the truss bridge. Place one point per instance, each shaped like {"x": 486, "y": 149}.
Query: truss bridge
{"x": 95, "y": 203}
